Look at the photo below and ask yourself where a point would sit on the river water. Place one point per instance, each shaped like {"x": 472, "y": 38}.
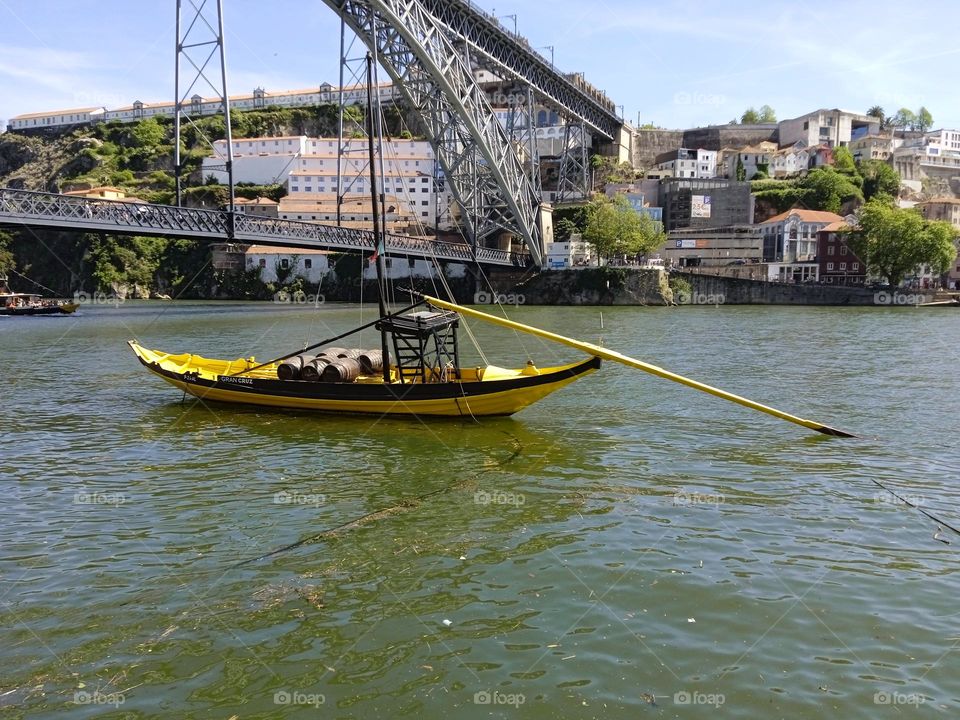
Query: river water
{"x": 625, "y": 548}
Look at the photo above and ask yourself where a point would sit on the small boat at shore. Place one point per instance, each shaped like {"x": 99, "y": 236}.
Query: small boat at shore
{"x": 28, "y": 304}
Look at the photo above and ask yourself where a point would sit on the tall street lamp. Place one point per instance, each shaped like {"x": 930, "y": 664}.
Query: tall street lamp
{"x": 550, "y": 48}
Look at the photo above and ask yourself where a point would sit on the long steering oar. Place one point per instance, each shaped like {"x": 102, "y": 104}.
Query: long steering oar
{"x": 601, "y": 352}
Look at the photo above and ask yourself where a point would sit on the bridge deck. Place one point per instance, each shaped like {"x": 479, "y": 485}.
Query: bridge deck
{"x": 25, "y": 208}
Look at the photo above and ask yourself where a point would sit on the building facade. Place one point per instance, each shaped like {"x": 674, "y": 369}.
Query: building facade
{"x": 687, "y": 163}
{"x": 791, "y": 237}
{"x": 934, "y": 154}
{"x": 839, "y": 265}
{"x": 946, "y": 209}
{"x": 197, "y": 106}
{"x": 693, "y": 203}
{"x": 834, "y": 128}
{"x": 715, "y": 248}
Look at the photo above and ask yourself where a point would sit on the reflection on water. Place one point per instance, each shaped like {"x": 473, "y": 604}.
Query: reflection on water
{"x": 624, "y": 547}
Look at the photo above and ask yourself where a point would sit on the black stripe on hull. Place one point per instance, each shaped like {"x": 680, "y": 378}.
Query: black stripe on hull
{"x": 375, "y": 392}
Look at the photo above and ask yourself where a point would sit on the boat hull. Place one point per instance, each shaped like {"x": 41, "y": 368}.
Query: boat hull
{"x": 498, "y": 392}
{"x": 64, "y": 309}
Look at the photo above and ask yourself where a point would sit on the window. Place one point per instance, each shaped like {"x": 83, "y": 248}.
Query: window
{"x": 831, "y": 250}
{"x": 284, "y": 263}
{"x": 308, "y": 263}
{"x": 829, "y": 266}
{"x": 843, "y": 249}
{"x": 263, "y": 262}
{"x": 843, "y": 266}
{"x": 856, "y": 266}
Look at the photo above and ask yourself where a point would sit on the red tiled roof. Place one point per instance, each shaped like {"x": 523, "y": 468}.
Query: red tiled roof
{"x": 811, "y": 216}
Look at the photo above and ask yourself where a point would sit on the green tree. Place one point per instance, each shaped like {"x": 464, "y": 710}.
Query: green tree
{"x": 741, "y": 170}
{"x": 148, "y": 133}
{"x": 877, "y": 112}
{"x": 893, "y": 241}
{"x": 827, "y": 189}
{"x": 924, "y": 120}
{"x": 615, "y": 228}
{"x": 767, "y": 114}
{"x": 904, "y": 119}
{"x": 7, "y": 262}
{"x": 844, "y": 164}
{"x": 750, "y": 117}
{"x": 563, "y": 228}
{"x": 878, "y": 177}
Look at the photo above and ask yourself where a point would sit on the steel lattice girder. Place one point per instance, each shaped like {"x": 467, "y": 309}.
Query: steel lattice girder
{"x": 573, "y": 183}
{"x": 478, "y": 160}
{"x": 524, "y": 63}
{"x": 19, "y": 208}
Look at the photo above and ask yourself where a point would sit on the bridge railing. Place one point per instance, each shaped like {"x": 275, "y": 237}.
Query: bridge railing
{"x": 97, "y": 214}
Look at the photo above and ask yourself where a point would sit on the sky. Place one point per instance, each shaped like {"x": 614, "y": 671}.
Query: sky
{"x": 677, "y": 64}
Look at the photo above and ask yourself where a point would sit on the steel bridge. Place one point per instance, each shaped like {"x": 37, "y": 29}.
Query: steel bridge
{"x": 19, "y": 208}
{"x": 432, "y": 50}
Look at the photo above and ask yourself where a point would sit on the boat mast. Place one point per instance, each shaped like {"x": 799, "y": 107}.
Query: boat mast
{"x": 379, "y": 238}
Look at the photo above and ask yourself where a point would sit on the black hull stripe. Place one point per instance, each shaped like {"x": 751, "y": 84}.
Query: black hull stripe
{"x": 360, "y": 392}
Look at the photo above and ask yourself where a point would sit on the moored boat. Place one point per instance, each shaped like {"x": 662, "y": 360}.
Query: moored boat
{"x": 27, "y": 304}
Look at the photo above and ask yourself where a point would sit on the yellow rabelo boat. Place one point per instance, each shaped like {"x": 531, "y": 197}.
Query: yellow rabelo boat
{"x": 424, "y": 379}
{"x": 423, "y": 376}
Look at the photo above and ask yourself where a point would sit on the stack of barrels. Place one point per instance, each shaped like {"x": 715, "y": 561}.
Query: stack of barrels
{"x": 332, "y": 365}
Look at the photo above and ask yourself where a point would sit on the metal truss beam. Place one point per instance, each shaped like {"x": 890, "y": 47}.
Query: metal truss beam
{"x": 24, "y": 208}
{"x": 573, "y": 184}
{"x": 516, "y": 60}
{"x": 200, "y": 60}
{"x": 484, "y": 171}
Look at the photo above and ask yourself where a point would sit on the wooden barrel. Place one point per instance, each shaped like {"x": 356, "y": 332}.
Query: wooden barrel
{"x": 371, "y": 362}
{"x": 291, "y": 368}
{"x": 314, "y": 369}
{"x": 352, "y": 353}
{"x": 343, "y": 370}
{"x": 331, "y": 352}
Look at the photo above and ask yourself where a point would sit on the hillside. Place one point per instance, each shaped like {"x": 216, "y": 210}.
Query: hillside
{"x": 138, "y": 158}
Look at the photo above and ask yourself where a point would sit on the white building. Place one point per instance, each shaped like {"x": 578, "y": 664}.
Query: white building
{"x": 789, "y": 162}
{"x": 935, "y": 154}
{"x": 311, "y": 265}
{"x": 56, "y": 118}
{"x": 833, "y": 128}
{"x": 791, "y": 237}
{"x": 753, "y": 157}
{"x": 687, "y": 163}
{"x": 308, "y": 169}
{"x": 575, "y": 252}
{"x": 197, "y": 105}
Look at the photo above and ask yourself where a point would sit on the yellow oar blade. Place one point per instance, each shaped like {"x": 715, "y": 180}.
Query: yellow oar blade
{"x": 602, "y": 352}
